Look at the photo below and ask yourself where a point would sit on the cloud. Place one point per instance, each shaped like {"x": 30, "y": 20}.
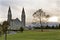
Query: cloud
{"x": 50, "y": 6}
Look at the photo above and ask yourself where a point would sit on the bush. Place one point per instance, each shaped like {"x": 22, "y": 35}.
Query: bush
{"x": 21, "y": 29}
{"x": 36, "y": 27}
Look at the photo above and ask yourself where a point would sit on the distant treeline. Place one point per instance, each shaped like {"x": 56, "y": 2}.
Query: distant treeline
{"x": 48, "y": 27}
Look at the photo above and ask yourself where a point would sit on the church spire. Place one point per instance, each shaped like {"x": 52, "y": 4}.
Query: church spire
{"x": 23, "y": 12}
{"x": 9, "y": 14}
{"x": 9, "y": 9}
{"x": 23, "y": 17}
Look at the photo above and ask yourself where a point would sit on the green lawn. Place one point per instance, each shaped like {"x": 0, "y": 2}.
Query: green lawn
{"x": 35, "y": 35}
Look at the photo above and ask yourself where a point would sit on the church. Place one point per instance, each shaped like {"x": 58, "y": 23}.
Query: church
{"x": 15, "y": 24}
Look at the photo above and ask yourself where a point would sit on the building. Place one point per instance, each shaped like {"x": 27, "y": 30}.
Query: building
{"x": 16, "y": 23}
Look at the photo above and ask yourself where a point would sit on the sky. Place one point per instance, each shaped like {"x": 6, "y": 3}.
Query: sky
{"x": 51, "y": 7}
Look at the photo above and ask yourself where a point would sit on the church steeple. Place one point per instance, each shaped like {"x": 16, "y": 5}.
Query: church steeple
{"x": 23, "y": 11}
{"x": 23, "y": 17}
{"x": 9, "y": 14}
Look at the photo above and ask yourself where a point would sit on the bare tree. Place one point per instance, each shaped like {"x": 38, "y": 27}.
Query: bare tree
{"x": 40, "y": 14}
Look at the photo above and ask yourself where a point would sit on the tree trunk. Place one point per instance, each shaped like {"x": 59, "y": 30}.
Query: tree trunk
{"x": 5, "y": 35}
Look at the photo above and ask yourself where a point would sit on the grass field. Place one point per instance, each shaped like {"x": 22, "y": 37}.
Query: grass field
{"x": 34, "y": 35}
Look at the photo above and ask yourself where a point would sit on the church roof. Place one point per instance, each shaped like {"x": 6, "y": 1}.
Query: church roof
{"x": 16, "y": 21}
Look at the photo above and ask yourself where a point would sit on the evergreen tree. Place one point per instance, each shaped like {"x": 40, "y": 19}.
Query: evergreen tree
{"x": 5, "y": 26}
